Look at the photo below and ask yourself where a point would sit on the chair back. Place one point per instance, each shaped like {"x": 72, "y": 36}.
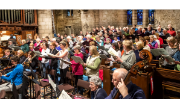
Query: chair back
{"x": 37, "y": 91}
{"x": 84, "y": 84}
{"x": 2, "y": 94}
{"x": 70, "y": 76}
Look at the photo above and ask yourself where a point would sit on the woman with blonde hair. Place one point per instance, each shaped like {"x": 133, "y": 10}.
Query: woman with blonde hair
{"x": 21, "y": 56}
{"x": 24, "y": 46}
{"x": 139, "y": 46}
{"x": 93, "y": 62}
{"x": 128, "y": 58}
{"x": 171, "y": 50}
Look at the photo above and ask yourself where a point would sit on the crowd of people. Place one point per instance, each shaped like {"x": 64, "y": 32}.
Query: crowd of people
{"x": 126, "y": 42}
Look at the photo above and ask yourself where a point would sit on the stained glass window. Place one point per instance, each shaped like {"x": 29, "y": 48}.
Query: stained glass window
{"x": 139, "y": 17}
{"x": 129, "y": 17}
{"x": 71, "y": 12}
{"x": 68, "y": 12}
{"x": 151, "y": 16}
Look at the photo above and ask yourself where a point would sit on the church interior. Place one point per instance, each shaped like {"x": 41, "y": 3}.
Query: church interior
{"x": 89, "y": 54}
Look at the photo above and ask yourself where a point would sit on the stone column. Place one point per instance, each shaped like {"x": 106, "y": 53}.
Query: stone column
{"x": 45, "y": 23}
{"x": 124, "y": 18}
{"x": 145, "y": 18}
{"x": 96, "y": 17}
{"x": 134, "y": 17}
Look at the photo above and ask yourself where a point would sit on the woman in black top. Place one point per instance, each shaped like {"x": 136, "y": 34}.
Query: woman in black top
{"x": 53, "y": 62}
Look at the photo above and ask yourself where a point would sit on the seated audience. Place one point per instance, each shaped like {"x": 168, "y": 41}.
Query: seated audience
{"x": 171, "y": 31}
{"x": 146, "y": 43}
{"x": 24, "y": 46}
{"x": 108, "y": 44}
{"x": 115, "y": 39}
{"x": 139, "y": 46}
{"x": 153, "y": 44}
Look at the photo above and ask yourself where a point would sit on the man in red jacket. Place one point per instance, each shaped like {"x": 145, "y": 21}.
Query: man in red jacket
{"x": 160, "y": 40}
{"x": 171, "y": 31}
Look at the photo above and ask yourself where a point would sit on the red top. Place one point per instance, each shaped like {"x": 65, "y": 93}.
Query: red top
{"x": 172, "y": 33}
{"x": 77, "y": 68}
{"x": 39, "y": 58}
{"x": 161, "y": 42}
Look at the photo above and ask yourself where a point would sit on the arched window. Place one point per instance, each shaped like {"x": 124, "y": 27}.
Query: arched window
{"x": 129, "y": 17}
{"x": 139, "y": 17}
{"x": 151, "y": 16}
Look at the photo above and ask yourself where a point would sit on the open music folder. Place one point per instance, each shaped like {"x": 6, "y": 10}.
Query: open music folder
{"x": 77, "y": 59}
{"x": 159, "y": 52}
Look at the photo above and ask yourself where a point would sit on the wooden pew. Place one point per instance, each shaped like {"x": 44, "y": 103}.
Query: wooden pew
{"x": 166, "y": 80}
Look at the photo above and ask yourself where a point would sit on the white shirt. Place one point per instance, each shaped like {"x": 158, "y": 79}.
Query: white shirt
{"x": 62, "y": 64}
{"x": 44, "y": 53}
{"x": 147, "y": 47}
{"x": 158, "y": 43}
{"x": 119, "y": 55}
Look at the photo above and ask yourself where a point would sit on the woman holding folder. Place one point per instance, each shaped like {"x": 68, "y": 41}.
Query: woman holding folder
{"x": 63, "y": 66}
{"x": 77, "y": 68}
{"x": 93, "y": 62}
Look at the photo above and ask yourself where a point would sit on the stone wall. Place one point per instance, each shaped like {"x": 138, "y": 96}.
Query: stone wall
{"x": 67, "y": 24}
{"x": 86, "y": 20}
{"x": 45, "y": 23}
{"x": 165, "y": 17}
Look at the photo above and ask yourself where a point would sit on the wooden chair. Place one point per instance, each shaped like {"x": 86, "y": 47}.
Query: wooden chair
{"x": 67, "y": 87}
{"x": 2, "y": 94}
{"x": 46, "y": 84}
{"x": 85, "y": 85}
{"x": 37, "y": 91}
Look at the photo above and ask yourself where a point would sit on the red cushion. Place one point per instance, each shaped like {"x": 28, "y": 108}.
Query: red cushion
{"x": 101, "y": 74}
{"x": 65, "y": 87}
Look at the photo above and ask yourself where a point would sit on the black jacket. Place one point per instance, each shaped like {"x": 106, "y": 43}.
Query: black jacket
{"x": 22, "y": 59}
{"x": 53, "y": 60}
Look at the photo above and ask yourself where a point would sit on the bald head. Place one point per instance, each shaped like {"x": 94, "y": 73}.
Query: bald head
{"x": 120, "y": 73}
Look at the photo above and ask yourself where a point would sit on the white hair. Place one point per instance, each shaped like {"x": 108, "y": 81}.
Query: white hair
{"x": 139, "y": 27}
{"x": 88, "y": 36}
{"x": 96, "y": 80}
{"x": 53, "y": 39}
{"x": 38, "y": 39}
{"x": 69, "y": 37}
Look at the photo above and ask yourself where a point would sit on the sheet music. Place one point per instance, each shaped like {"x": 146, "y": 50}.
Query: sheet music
{"x": 64, "y": 95}
{"x": 77, "y": 59}
{"x": 163, "y": 51}
{"x": 103, "y": 56}
{"x": 49, "y": 54}
{"x": 52, "y": 83}
{"x": 112, "y": 52}
{"x": 155, "y": 52}
{"x": 169, "y": 58}
{"x": 101, "y": 47}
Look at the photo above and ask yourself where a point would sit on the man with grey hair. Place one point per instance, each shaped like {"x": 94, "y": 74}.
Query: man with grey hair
{"x": 96, "y": 91}
{"x": 159, "y": 31}
{"x": 129, "y": 90}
